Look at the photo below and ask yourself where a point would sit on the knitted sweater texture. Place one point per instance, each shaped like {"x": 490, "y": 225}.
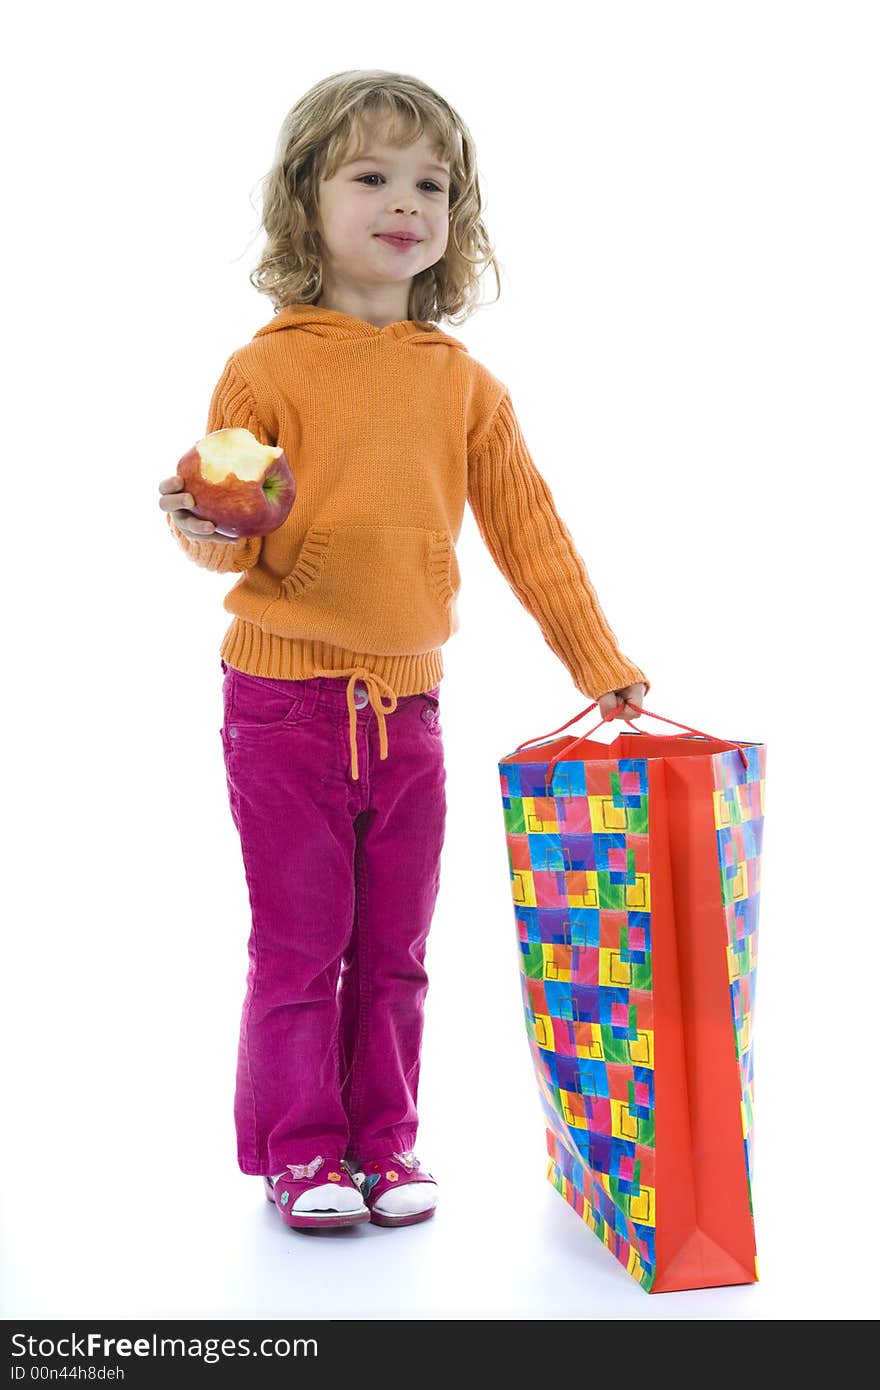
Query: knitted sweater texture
{"x": 389, "y": 432}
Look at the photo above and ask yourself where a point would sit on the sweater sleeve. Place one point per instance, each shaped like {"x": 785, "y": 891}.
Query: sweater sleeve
{"x": 517, "y": 519}
{"x": 232, "y": 406}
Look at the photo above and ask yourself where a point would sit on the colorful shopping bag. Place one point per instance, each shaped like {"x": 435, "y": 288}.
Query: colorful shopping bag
{"x": 635, "y": 871}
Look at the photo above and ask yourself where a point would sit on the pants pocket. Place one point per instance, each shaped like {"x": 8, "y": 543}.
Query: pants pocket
{"x": 260, "y": 704}
{"x": 431, "y": 710}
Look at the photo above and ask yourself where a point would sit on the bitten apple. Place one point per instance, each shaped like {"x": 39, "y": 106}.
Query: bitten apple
{"x": 246, "y": 488}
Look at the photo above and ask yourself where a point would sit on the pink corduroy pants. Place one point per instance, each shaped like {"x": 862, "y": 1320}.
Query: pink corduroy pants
{"x": 342, "y": 877}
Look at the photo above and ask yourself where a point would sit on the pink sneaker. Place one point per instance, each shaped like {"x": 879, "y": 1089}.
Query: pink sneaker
{"x": 379, "y": 1176}
{"x": 294, "y": 1194}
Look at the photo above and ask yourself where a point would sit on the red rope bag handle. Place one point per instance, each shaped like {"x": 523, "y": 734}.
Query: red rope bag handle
{"x": 734, "y": 743}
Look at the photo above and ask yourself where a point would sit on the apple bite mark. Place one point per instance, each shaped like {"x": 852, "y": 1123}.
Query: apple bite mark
{"x": 246, "y": 488}
{"x": 235, "y": 451}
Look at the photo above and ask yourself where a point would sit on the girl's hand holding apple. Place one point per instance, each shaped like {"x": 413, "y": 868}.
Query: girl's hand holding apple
{"x": 229, "y": 485}
{"x": 179, "y": 503}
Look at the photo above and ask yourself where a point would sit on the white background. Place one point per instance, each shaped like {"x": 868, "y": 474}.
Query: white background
{"x": 684, "y": 199}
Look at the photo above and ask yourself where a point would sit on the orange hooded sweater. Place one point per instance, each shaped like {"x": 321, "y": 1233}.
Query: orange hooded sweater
{"x": 389, "y": 431}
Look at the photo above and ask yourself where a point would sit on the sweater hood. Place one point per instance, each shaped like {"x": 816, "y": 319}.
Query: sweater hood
{"x": 331, "y": 323}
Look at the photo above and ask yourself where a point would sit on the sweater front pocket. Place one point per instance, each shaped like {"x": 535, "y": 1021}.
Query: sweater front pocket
{"x": 383, "y": 590}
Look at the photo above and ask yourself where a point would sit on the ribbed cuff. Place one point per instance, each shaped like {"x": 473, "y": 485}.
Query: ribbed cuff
{"x": 219, "y": 556}
{"x": 602, "y": 676}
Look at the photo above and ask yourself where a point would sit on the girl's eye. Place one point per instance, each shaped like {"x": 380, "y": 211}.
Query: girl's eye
{"x": 361, "y": 178}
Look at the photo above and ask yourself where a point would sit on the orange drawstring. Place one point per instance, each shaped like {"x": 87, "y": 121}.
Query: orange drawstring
{"x": 375, "y": 686}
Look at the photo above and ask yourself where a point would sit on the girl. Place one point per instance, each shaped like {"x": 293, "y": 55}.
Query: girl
{"x": 372, "y": 216}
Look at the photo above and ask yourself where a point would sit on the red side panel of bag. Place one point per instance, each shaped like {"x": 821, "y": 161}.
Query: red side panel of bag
{"x": 705, "y": 1232}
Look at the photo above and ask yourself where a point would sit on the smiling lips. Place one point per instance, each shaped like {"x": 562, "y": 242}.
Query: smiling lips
{"x": 401, "y": 243}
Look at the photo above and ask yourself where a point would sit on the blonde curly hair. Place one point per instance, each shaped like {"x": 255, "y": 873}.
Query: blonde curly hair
{"x": 314, "y": 141}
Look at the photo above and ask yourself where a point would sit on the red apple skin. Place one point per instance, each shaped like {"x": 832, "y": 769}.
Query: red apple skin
{"x": 236, "y": 507}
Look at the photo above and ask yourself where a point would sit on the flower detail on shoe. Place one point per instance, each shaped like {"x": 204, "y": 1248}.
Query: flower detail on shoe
{"x": 397, "y": 1196}
{"x": 316, "y": 1195}
{"x": 298, "y": 1171}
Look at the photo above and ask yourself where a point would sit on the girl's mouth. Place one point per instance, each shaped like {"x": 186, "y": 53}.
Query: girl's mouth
{"x": 402, "y": 243}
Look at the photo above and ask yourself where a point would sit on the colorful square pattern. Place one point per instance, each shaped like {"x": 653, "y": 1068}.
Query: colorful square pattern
{"x": 739, "y": 827}
{"x": 580, "y": 877}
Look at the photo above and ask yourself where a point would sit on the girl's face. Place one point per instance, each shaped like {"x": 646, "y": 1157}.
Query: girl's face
{"x": 394, "y": 189}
